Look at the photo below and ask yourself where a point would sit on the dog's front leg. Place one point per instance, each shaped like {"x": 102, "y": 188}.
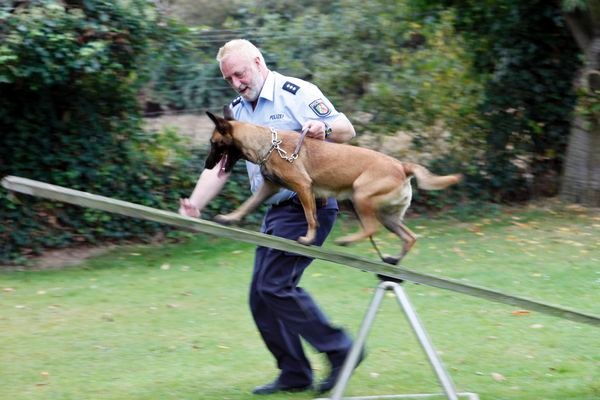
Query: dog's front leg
{"x": 267, "y": 190}
{"x": 307, "y": 198}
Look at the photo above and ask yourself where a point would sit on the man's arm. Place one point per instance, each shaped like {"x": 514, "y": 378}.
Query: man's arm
{"x": 342, "y": 129}
{"x": 209, "y": 184}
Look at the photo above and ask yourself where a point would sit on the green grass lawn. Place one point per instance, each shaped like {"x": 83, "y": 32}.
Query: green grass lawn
{"x": 172, "y": 321}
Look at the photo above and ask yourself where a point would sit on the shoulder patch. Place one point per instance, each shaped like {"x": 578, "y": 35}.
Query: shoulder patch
{"x": 291, "y": 87}
{"x": 236, "y": 101}
{"x": 320, "y": 108}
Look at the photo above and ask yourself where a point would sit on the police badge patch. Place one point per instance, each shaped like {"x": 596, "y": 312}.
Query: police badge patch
{"x": 236, "y": 101}
{"x": 290, "y": 87}
{"x": 320, "y": 108}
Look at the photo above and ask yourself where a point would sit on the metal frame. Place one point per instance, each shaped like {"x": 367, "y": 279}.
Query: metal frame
{"x": 417, "y": 327}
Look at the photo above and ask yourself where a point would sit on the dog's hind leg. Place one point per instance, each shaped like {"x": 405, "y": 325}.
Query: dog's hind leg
{"x": 366, "y": 214}
{"x": 393, "y": 222}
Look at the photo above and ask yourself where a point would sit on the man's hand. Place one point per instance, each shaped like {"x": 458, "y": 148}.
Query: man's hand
{"x": 186, "y": 208}
{"x": 314, "y": 129}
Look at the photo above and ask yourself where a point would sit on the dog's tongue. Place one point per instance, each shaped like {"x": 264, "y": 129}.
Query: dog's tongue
{"x": 222, "y": 166}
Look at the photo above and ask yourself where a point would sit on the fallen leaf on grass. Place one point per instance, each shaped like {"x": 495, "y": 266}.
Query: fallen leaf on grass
{"x": 108, "y": 317}
{"x": 458, "y": 251}
{"x": 498, "y": 377}
{"x": 476, "y": 231}
{"x": 520, "y": 312}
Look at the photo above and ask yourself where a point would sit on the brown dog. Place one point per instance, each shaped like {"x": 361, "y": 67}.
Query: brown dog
{"x": 378, "y": 185}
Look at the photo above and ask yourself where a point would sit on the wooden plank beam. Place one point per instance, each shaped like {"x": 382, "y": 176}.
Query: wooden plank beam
{"x": 53, "y": 192}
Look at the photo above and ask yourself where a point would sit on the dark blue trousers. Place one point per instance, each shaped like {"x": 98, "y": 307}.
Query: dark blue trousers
{"x": 283, "y": 311}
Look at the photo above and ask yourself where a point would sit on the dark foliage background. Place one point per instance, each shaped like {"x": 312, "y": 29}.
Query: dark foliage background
{"x": 482, "y": 87}
{"x": 69, "y": 115}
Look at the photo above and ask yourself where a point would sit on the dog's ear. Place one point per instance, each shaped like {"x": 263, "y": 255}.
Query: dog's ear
{"x": 212, "y": 116}
{"x": 228, "y": 113}
{"x": 220, "y": 124}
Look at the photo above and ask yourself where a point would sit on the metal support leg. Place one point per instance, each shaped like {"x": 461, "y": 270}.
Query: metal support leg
{"x": 358, "y": 344}
{"x": 424, "y": 340}
{"x": 417, "y": 327}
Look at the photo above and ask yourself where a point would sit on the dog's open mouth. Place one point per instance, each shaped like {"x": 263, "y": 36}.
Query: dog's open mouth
{"x": 223, "y": 166}
{"x": 224, "y": 157}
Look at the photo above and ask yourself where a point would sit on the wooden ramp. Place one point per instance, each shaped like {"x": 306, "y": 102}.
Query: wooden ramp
{"x": 84, "y": 199}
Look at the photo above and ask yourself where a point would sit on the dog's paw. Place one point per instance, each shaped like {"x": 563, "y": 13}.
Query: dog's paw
{"x": 342, "y": 242}
{"x": 225, "y": 219}
{"x": 390, "y": 259}
{"x": 305, "y": 240}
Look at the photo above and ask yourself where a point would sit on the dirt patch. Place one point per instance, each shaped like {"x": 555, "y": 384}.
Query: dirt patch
{"x": 60, "y": 258}
{"x": 197, "y": 127}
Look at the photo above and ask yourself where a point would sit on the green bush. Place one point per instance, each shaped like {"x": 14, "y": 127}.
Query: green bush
{"x": 528, "y": 59}
{"x": 70, "y": 75}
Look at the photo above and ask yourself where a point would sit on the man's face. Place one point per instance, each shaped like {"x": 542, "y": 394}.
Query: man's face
{"x": 243, "y": 76}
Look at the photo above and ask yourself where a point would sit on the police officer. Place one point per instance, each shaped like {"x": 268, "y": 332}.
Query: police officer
{"x": 282, "y": 311}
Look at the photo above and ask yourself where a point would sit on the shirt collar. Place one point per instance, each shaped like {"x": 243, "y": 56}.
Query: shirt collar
{"x": 268, "y": 90}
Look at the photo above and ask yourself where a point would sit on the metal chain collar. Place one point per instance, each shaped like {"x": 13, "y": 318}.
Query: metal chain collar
{"x": 275, "y": 145}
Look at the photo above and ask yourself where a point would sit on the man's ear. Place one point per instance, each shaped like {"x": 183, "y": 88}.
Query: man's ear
{"x": 228, "y": 113}
{"x": 221, "y": 124}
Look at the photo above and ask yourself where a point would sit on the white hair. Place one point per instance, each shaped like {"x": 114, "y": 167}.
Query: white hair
{"x": 240, "y": 46}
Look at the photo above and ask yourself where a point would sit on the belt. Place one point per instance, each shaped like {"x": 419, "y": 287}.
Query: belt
{"x": 295, "y": 201}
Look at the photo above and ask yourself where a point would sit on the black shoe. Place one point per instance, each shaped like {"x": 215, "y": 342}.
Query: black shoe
{"x": 336, "y": 368}
{"x": 276, "y": 387}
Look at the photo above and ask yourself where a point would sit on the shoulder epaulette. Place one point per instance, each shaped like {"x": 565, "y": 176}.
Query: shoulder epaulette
{"x": 290, "y": 87}
{"x": 236, "y": 101}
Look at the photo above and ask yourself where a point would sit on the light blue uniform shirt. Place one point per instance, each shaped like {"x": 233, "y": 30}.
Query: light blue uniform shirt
{"x": 284, "y": 103}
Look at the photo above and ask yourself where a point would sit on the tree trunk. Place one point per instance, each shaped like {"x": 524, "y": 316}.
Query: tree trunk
{"x": 581, "y": 177}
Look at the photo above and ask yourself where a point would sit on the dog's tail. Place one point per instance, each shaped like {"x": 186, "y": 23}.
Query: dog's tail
{"x": 429, "y": 181}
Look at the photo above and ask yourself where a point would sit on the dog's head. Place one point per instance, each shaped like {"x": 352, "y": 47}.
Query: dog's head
{"x": 221, "y": 142}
